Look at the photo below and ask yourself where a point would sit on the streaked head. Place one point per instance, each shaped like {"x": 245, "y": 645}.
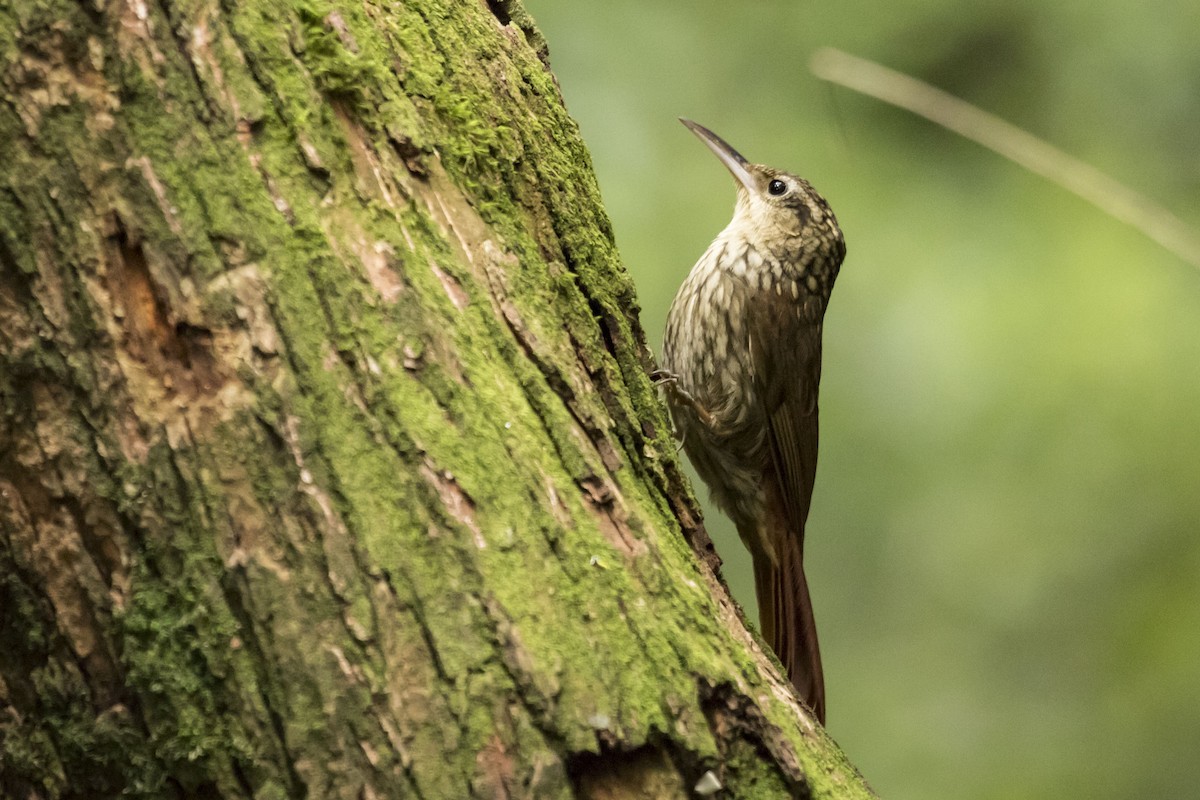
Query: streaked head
{"x": 773, "y": 204}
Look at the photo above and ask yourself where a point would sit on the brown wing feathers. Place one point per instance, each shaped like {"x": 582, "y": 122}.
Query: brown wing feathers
{"x": 786, "y": 353}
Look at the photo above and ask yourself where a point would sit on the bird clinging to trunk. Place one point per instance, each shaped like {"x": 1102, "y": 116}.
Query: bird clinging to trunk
{"x": 742, "y": 363}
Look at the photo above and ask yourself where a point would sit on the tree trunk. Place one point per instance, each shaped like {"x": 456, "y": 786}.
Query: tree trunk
{"x": 329, "y": 465}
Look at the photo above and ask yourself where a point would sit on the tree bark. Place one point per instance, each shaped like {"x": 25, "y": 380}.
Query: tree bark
{"x": 329, "y": 465}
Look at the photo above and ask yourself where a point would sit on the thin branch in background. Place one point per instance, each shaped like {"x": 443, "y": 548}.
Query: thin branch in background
{"x": 1008, "y": 140}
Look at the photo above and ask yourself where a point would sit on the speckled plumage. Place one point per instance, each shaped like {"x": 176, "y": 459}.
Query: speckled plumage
{"x": 743, "y": 352}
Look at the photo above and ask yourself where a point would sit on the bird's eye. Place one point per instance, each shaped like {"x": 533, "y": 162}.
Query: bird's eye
{"x": 777, "y": 187}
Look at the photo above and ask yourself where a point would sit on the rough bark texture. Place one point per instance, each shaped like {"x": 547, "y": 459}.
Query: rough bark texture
{"x": 329, "y": 467}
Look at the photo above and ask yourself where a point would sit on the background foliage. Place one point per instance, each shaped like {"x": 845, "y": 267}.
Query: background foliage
{"x": 1003, "y": 546}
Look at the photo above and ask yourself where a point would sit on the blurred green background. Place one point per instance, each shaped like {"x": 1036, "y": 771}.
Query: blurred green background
{"x": 1003, "y": 545}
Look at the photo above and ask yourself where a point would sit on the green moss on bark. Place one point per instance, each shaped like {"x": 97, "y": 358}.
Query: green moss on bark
{"x": 361, "y": 442}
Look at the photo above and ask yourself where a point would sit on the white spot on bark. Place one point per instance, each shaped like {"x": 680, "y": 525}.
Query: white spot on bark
{"x": 708, "y": 784}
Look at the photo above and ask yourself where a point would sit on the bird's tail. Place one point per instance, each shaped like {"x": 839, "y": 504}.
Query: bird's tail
{"x": 786, "y": 616}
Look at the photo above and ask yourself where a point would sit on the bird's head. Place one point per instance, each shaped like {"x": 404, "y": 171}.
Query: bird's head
{"x": 776, "y": 210}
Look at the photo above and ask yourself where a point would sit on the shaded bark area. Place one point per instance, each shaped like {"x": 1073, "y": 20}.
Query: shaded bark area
{"x": 329, "y": 466}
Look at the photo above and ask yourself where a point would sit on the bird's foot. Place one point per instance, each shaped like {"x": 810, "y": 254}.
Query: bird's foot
{"x": 677, "y": 395}
{"x": 661, "y": 377}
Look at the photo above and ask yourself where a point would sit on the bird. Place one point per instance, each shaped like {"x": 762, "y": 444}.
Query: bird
{"x": 741, "y": 368}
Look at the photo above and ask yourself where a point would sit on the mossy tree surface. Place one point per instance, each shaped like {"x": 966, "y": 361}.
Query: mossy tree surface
{"x": 329, "y": 466}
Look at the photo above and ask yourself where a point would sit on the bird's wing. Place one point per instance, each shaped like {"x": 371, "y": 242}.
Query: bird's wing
{"x": 785, "y": 352}
{"x": 785, "y": 349}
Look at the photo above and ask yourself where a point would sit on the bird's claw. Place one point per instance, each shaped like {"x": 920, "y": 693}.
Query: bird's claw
{"x": 662, "y": 377}
{"x": 679, "y": 396}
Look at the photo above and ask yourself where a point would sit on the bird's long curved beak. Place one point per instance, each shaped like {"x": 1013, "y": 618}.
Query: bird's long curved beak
{"x": 731, "y": 158}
